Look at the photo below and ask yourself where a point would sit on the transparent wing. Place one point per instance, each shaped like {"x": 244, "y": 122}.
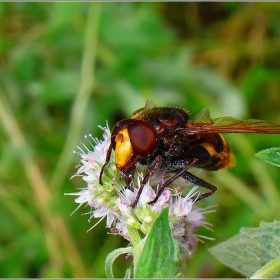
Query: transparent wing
{"x": 203, "y": 123}
{"x": 149, "y": 104}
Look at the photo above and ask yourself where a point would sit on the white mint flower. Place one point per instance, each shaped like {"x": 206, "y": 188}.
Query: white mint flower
{"x": 100, "y": 198}
{"x": 113, "y": 200}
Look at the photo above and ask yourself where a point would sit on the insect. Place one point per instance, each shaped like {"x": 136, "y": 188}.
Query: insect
{"x": 170, "y": 139}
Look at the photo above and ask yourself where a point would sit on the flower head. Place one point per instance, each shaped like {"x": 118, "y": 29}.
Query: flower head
{"x": 113, "y": 199}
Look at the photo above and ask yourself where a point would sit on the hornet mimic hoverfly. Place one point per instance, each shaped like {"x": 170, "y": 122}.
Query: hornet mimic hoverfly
{"x": 169, "y": 139}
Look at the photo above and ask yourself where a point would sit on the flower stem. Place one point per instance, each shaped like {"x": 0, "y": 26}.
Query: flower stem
{"x": 137, "y": 244}
{"x": 111, "y": 258}
{"x": 267, "y": 270}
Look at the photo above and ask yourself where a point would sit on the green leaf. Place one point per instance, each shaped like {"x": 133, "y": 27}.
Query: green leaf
{"x": 271, "y": 156}
{"x": 158, "y": 258}
{"x": 251, "y": 249}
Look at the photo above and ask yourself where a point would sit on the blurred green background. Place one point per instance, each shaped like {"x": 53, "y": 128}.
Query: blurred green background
{"x": 67, "y": 67}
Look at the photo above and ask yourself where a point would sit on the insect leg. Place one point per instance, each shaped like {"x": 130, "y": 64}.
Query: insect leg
{"x": 108, "y": 156}
{"x": 189, "y": 163}
{"x": 145, "y": 180}
{"x": 197, "y": 181}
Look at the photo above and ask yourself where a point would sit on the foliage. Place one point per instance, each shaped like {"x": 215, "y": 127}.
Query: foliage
{"x": 270, "y": 155}
{"x": 159, "y": 252}
{"x": 67, "y": 67}
{"x": 251, "y": 249}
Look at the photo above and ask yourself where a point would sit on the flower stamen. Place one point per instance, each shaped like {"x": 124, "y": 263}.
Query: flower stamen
{"x": 95, "y": 224}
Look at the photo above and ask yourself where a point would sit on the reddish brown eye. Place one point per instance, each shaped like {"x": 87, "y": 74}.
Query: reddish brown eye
{"x": 117, "y": 128}
{"x": 142, "y": 137}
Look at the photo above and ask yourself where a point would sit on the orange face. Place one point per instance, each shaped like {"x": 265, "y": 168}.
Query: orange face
{"x": 123, "y": 149}
{"x": 132, "y": 139}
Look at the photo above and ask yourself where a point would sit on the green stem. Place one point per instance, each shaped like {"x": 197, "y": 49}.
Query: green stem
{"x": 112, "y": 257}
{"x": 268, "y": 270}
{"x": 137, "y": 244}
{"x": 136, "y": 249}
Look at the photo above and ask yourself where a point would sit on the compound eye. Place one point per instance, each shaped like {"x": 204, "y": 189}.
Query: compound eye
{"x": 142, "y": 137}
{"x": 117, "y": 128}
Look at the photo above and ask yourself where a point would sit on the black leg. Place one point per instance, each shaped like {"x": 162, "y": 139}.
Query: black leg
{"x": 197, "y": 181}
{"x": 145, "y": 180}
{"x": 191, "y": 178}
{"x": 188, "y": 164}
{"x": 108, "y": 156}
